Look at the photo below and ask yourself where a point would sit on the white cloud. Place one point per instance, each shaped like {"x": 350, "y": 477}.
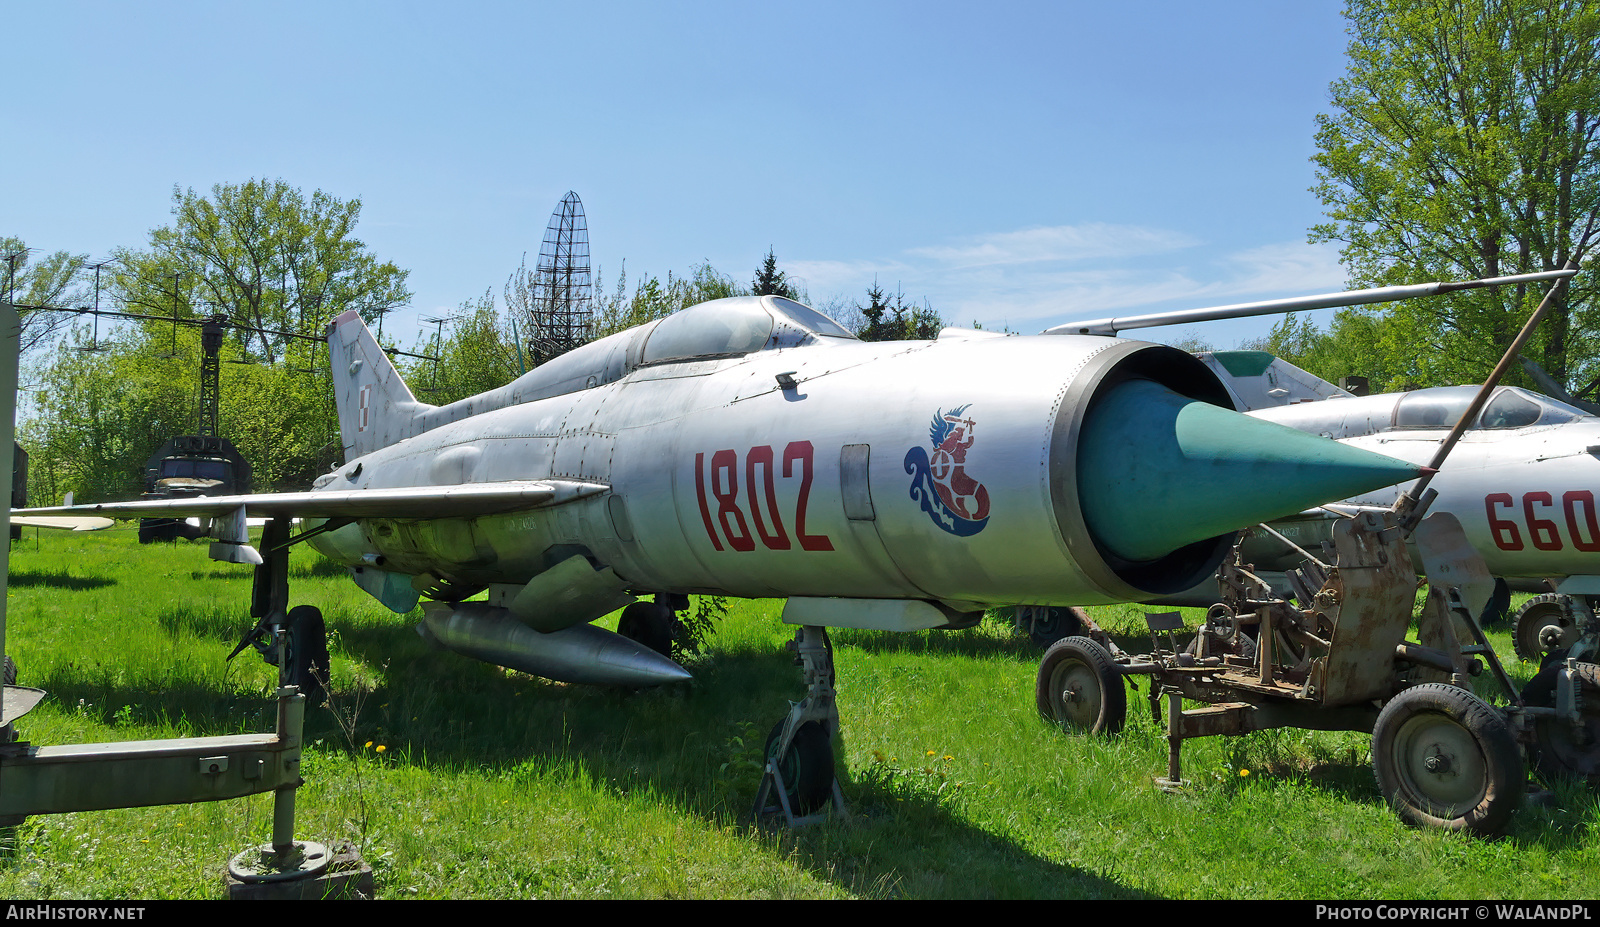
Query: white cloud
{"x": 1289, "y": 267}
{"x": 1090, "y": 241}
{"x": 1030, "y": 279}
{"x": 824, "y": 277}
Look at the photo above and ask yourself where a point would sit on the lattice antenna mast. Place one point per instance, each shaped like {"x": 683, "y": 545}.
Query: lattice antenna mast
{"x": 561, "y": 311}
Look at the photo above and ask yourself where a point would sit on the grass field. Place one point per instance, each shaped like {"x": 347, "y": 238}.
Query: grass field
{"x": 461, "y": 780}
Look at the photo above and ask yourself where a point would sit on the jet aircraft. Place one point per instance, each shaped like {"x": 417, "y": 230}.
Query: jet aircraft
{"x": 1521, "y": 481}
{"x": 752, "y": 447}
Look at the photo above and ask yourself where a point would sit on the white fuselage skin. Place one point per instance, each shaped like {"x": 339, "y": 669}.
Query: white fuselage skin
{"x": 1526, "y": 496}
{"x": 723, "y": 481}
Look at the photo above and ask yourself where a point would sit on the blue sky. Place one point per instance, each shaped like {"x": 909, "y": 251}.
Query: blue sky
{"x": 1014, "y": 164}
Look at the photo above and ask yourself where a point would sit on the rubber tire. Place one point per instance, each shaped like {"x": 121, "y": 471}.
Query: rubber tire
{"x": 1554, "y": 755}
{"x": 308, "y": 653}
{"x": 649, "y": 624}
{"x": 1536, "y": 614}
{"x": 1435, "y": 719}
{"x": 1080, "y": 662}
{"x": 1059, "y": 622}
{"x": 807, "y": 767}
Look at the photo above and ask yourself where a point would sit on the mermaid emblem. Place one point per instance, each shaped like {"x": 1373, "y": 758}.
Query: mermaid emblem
{"x": 956, "y": 502}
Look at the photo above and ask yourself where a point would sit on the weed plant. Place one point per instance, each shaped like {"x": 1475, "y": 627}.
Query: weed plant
{"x": 457, "y": 779}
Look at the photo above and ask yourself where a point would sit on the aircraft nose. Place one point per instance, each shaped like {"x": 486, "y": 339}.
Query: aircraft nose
{"x": 1158, "y": 471}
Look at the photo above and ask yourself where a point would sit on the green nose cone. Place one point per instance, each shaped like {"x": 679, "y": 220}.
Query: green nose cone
{"x": 1158, "y": 471}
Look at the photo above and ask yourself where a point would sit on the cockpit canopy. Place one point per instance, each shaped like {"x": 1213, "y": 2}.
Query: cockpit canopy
{"x": 1438, "y": 407}
{"x": 737, "y": 325}
{"x": 1509, "y": 407}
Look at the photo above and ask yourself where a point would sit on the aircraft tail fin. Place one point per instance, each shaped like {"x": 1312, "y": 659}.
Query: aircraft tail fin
{"x": 376, "y": 408}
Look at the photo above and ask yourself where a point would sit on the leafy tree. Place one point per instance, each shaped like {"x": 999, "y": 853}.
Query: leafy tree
{"x": 653, "y": 299}
{"x": 265, "y": 255}
{"x": 271, "y": 259}
{"x": 54, "y": 280}
{"x": 1465, "y": 143}
{"x": 99, "y": 414}
{"x": 477, "y": 353}
{"x": 770, "y": 281}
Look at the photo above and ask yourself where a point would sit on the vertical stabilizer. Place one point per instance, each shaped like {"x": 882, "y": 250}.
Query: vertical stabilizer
{"x": 375, "y": 406}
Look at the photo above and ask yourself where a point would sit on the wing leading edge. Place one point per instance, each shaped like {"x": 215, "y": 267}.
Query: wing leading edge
{"x": 461, "y": 501}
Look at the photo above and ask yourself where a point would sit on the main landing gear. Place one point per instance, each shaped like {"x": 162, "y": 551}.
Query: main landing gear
{"x": 799, "y": 771}
{"x": 294, "y": 640}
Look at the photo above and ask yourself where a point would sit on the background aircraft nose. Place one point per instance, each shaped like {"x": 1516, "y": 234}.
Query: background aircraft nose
{"x": 1158, "y": 471}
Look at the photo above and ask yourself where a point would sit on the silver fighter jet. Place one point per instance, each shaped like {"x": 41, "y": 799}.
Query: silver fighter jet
{"x": 752, "y": 447}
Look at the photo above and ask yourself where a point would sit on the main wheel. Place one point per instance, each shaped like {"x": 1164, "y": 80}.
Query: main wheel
{"x": 807, "y": 766}
{"x": 1564, "y": 750}
{"x": 1080, "y": 687}
{"x": 1444, "y": 758}
{"x": 307, "y": 653}
{"x": 1050, "y": 623}
{"x": 649, "y": 624}
{"x": 1544, "y": 624}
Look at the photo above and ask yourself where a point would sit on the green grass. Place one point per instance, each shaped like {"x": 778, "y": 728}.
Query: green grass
{"x": 492, "y": 784}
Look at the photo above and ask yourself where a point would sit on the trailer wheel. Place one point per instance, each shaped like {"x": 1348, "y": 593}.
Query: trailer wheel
{"x": 1080, "y": 688}
{"x": 1563, "y": 750}
{"x": 1543, "y": 625}
{"x": 1444, "y": 758}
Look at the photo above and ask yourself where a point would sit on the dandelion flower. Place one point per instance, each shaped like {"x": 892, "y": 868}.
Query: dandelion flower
{"x": 932, "y": 752}
{"x": 369, "y": 743}
{"x": 948, "y": 757}
{"x": 381, "y": 748}
{"x": 1244, "y": 772}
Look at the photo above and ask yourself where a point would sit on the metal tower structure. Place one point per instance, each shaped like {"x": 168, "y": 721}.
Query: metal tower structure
{"x": 561, "y": 287}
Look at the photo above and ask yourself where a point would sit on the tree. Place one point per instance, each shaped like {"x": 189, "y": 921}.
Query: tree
{"x": 475, "y": 355}
{"x": 653, "y": 299}
{"x": 54, "y": 280}
{"x": 884, "y": 320}
{"x": 1465, "y": 143}
{"x": 265, "y": 255}
{"x": 770, "y": 281}
{"x": 271, "y": 259}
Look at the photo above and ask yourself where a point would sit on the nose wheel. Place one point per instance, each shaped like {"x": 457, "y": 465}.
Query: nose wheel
{"x": 798, "y": 780}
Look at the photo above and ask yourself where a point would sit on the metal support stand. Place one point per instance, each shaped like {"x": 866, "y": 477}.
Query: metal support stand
{"x": 287, "y": 868}
{"x": 1174, "y": 780}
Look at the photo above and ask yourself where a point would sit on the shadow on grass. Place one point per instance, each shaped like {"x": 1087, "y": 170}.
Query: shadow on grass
{"x": 211, "y": 623}
{"x": 56, "y": 579}
{"x": 963, "y": 643}
{"x": 693, "y": 747}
